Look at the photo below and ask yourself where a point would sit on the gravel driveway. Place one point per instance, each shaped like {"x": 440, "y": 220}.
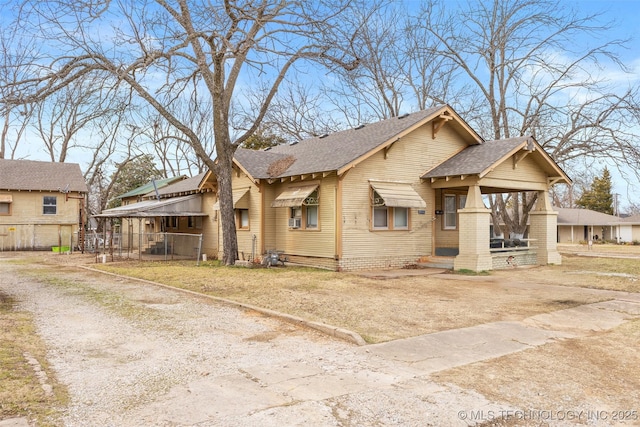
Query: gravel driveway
{"x": 135, "y": 354}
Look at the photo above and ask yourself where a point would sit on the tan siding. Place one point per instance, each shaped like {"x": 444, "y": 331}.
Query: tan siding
{"x": 28, "y": 228}
{"x": 526, "y": 171}
{"x": 312, "y": 243}
{"x": 406, "y": 161}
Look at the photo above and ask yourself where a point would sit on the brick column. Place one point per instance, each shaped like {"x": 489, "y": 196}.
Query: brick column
{"x": 543, "y": 226}
{"x": 473, "y": 238}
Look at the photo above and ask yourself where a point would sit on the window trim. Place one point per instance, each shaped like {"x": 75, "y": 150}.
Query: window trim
{"x": 391, "y": 215}
{"x": 8, "y": 212}
{"x": 460, "y": 202}
{"x": 301, "y": 212}
{"x": 238, "y": 213}
{"x": 49, "y": 205}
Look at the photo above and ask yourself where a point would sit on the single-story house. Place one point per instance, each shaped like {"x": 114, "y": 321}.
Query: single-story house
{"x": 41, "y": 205}
{"x": 629, "y": 229}
{"x": 390, "y": 193}
{"x": 581, "y": 225}
{"x": 382, "y": 195}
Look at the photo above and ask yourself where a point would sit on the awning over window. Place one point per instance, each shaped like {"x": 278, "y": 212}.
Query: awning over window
{"x": 239, "y": 201}
{"x": 6, "y": 198}
{"x": 293, "y": 196}
{"x": 398, "y": 194}
{"x": 177, "y": 206}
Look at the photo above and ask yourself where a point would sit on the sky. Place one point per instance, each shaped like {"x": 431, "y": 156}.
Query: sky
{"x": 625, "y": 15}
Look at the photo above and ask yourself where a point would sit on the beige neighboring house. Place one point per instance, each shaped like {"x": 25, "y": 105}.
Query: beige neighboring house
{"x": 630, "y": 229}
{"x": 41, "y": 205}
{"x": 384, "y": 195}
{"x": 179, "y": 206}
{"x": 581, "y": 225}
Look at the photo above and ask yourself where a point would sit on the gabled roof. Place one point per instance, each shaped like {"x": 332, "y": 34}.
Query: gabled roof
{"x": 186, "y": 186}
{"x": 30, "y": 175}
{"x": 148, "y": 187}
{"x": 476, "y": 159}
{"x": 572, "y": 216}
{"x": 635, "y": 219}
{"x": 338, "y": 151}
{"x": 481, "y": 159}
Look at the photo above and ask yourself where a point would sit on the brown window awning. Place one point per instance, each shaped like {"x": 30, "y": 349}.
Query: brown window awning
{"x": 6, "y": 198}
{"x": 398, "y": 194}
{"x": 293, "y": 196}
{"x": 239, "y": 201}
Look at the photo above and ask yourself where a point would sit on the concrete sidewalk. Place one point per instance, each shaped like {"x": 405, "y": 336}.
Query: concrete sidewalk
{"x": 457, "y": 347}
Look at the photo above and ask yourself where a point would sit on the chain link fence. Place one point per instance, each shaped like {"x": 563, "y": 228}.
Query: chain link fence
{"x": 146, "y": 246}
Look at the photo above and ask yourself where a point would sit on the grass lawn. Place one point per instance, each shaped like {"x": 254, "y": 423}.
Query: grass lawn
{"x": 382, "y": 310}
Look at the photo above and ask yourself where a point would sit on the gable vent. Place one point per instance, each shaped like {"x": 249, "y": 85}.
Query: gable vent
{"x": 403, "y": 116}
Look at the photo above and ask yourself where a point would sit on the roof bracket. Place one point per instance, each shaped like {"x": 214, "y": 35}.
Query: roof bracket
{"x": 388, "y": 147}
{"x": 438, "y": 122}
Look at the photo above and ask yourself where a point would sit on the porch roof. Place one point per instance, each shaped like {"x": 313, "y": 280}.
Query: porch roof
{"x": 480, "y": 160}
{"x": 178, "y": 206}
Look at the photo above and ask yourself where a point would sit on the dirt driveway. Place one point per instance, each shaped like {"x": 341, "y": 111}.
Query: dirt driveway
{"x": 132, "y": 354}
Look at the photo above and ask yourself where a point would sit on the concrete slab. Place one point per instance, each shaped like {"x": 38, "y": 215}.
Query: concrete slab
{"x": 631, "y": 308}
{"x": 579, "y": 320}
{"x": 447, "y": 349}
{"x": 14, "y": 422}
{"x": 210, "y": 399}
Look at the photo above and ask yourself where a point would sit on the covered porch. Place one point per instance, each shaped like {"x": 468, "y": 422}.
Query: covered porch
{"x": 463, "y": 222}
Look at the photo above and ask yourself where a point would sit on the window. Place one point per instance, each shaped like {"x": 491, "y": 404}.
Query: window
{"x": 305, "y": 216}
{"x": 173, "y": 222}
{"x": 242, "y": 218}
{"x": 452, "y": 203}
{"x": 49, "y": 205}
{"x": 450, "y": 212}
{"x": 384, "y": 215}
{"x": 400, "y": 218}
{"x": 5, "y": 208}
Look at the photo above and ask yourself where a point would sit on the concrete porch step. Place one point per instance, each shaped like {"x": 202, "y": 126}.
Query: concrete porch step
{"x": 444, "y": 262}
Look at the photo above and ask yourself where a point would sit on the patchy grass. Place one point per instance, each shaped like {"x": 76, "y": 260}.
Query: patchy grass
{"x": 595, "y": 373}
{"x": 379, "y": 310}
{"x": 21, "y": 393}
{"x": 617, "y": 274}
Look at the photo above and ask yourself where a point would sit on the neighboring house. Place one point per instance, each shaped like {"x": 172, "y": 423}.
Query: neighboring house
{"x": 383, "y": 195}
{"x": 182, "y": 206}
{"x": 581, "y": 225}
{"x": 630, "y": 229}
{"x": 41, "y": 204}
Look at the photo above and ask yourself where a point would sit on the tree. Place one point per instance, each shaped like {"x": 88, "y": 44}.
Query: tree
{"x": 261, "y": 140}
{"x": 199, "y": 53}
{"x": 599, "y": 196}
{"x": 506, "y": 52}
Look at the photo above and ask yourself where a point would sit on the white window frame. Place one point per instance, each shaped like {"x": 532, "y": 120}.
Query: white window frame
{"x": 448, "y": 215}
{"x": 49, "y": 205}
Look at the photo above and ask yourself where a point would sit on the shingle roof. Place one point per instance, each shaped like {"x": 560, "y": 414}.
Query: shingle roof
{"x": 148, "y": 187}
{"x": 334, "y": 151}
{"x": 572, "y": 216}
{"x": 475, "y": 159}
{"x": 188, "y": 185}
{"x": 41, "y": 176}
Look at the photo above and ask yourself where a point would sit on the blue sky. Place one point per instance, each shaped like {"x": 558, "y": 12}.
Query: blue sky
{"x": 625, "y": 14}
